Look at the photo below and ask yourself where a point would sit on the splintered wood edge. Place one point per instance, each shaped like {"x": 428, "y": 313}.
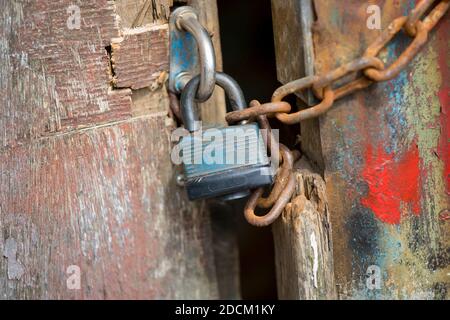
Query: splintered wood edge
{"x": 139, "y": 56}
{"x": 302, "y": 237}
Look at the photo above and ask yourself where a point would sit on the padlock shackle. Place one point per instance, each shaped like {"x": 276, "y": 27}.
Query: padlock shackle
{"x": 186, "y": 19}
{"x": 188, "y": 111}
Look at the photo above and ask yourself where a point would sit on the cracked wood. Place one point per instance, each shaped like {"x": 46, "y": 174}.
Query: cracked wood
{"x": 302, "y": 237}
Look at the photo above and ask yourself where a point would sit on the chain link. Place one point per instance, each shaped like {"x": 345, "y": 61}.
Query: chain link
{"x": 323, "y": 86}
{"x": 415, "y": 15}
{"x": 256, "y": 109}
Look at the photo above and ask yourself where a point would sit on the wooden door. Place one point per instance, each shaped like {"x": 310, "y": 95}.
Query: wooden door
{"x": 89, "y": 207}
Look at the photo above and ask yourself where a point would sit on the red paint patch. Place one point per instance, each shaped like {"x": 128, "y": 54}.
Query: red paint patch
{"x": 392, "y": 183}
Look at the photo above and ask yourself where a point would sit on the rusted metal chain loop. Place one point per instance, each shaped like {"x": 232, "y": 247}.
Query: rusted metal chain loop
{"x": 271, "y": 144}
{"x": 276, "y": 210}
{"x": 402, "y": 61}
{"x": 386, "y": 36}
{"x": 293, "y": 87}
{"x": 438, "y": 12}
{"x": 281, "y": 179}
{"x": 269, "y": 140}
{"x": 415, "y": 15}
{"x": 268, "y": 109}
{"x": 370, "y": 64}
{"x": 309, "y": 113}
{"x": 354, "y": 66}
{"x": 428, "y": 23}
{"x": 358, "y": 84}
{"x": 281, "y": 202}
{"x": 296, "y": 86}
{"x": 288, "y": 159}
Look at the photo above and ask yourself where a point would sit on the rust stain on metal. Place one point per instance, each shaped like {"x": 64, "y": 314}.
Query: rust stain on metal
{"x": 268, "y": 109}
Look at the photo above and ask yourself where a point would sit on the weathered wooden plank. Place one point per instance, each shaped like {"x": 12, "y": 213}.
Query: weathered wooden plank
{"x": 85, "y": 172}
{"x": 294, "y": 51}
{"x": 385, "y": 152}
{"x": 45, "y": 68}
{"x": 304, "y": 256}
{"x": 303, "y": 246}
{"x": 139, "y": 56}
{"x": 105, "y": 200}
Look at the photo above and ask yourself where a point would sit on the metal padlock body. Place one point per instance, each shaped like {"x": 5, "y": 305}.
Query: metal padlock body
{"x": 222, "y": 161}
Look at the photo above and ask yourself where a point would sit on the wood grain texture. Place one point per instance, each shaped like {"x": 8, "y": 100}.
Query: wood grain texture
{"x": 289, "y": 49}
{"x": 54, "y": 78}
{"x": 303, "y": 246}
{"x": 139, "y": 56}
{"x": 85, "y": 171}
{"x": 294, "y": 53}
{"x": 138, "y": 13}
{"x": 103, "y": 199}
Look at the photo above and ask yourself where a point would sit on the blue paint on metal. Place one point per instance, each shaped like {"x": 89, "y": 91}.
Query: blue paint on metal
{"x": 184, "y": 56}
{"x": 395, "y": 115}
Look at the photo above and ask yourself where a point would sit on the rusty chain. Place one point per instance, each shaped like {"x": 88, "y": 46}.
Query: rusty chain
{"x": 372, "y": 70}
{"x": 284, "y": 186}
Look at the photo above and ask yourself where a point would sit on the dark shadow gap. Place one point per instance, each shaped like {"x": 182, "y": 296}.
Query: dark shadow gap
{"x": 249, "y": 57}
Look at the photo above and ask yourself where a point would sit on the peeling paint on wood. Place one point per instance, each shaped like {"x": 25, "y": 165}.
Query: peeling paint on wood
{"x": 384, "y": 159}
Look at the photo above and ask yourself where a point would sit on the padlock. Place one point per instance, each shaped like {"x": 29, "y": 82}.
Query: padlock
{"x": 223, "y": 161}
